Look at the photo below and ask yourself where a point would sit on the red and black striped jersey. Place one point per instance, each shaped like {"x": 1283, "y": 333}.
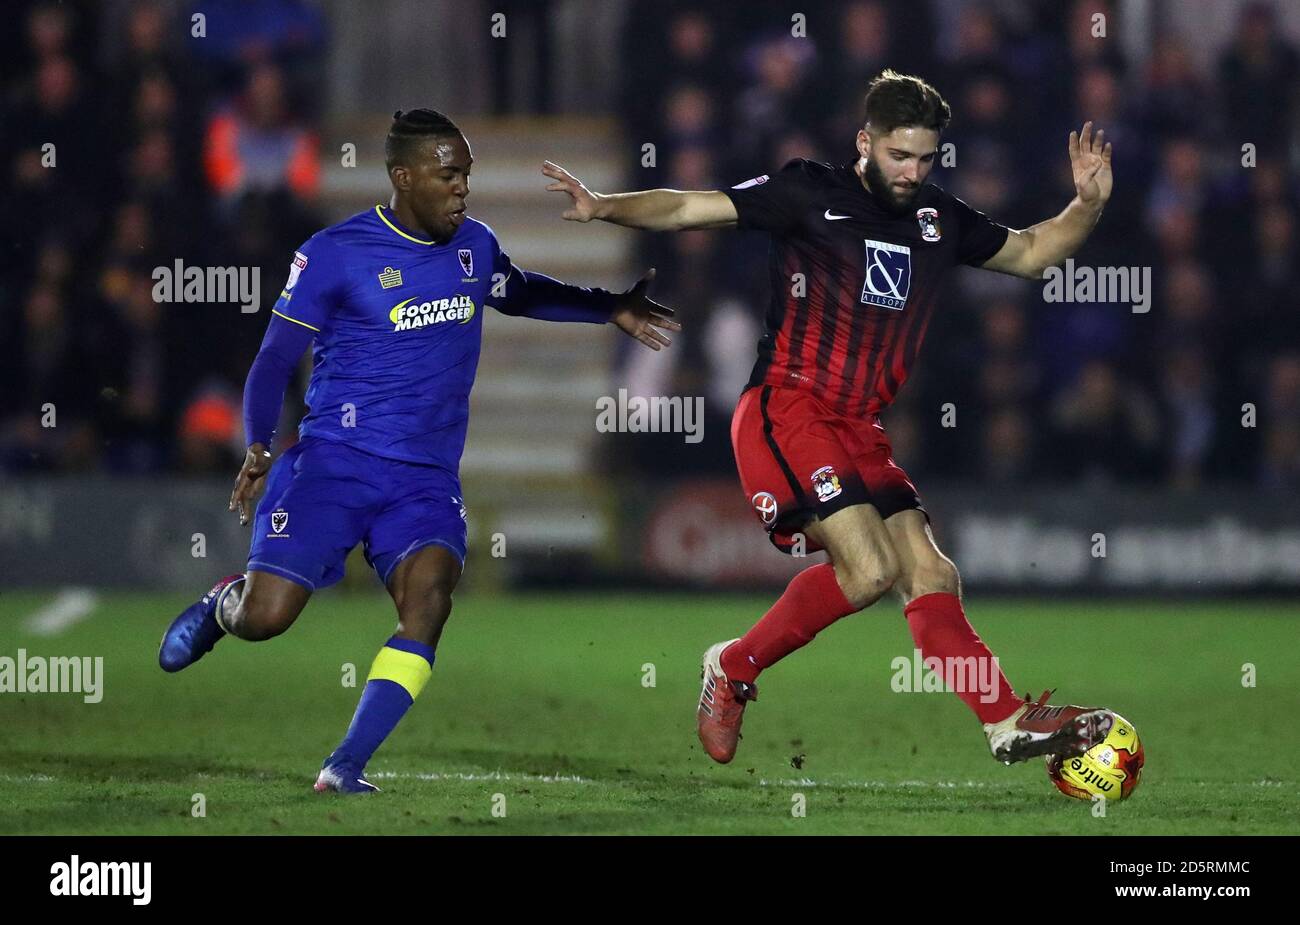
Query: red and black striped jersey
{"x": 853, "y": 283}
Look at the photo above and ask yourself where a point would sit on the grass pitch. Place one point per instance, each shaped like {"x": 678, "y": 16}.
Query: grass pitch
{"x": 575, "y": 714}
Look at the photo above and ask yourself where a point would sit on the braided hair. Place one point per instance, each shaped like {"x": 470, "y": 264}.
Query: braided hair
{"x": 410, "y": 129}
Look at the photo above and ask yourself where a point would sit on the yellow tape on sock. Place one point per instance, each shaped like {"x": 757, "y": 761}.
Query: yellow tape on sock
{"x": 405, "y": 668}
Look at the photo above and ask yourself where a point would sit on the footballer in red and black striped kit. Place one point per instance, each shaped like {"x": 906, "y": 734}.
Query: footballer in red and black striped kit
{"x": 873, "y": 266}
{"x": 859, "y": 255}
{"x": 842, "y": 338}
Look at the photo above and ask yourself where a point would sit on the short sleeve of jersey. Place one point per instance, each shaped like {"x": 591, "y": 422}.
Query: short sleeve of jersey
{"x": 772, "y": 203}
{"x": 314, "y": 284}
{"x": 978, "y": 236}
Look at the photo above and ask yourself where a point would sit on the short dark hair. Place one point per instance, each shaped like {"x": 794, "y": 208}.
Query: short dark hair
{"x": 895, "y": 100}
{"x": 410, "y": 129}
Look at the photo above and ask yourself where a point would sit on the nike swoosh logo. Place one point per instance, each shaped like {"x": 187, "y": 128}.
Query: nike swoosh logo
{"x": 834, "y": 218}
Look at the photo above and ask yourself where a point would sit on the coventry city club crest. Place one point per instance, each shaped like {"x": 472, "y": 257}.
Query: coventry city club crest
{"x": 826, "y": 484}
{"x": 928, "y": 219}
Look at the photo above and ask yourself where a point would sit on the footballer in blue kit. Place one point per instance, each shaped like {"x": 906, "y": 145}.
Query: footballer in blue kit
{"x": 391, "y": 302}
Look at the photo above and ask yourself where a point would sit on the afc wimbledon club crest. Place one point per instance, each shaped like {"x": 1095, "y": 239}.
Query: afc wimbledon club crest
{"x": 826, "y": 483}
{"x": 466, "y": 261}
{"x": 928, "y": 219}
{"x": 279, "y": 520}
{"x": 765, "y": 505}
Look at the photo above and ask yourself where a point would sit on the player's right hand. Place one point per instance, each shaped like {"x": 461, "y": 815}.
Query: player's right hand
{"x": 584, "y": 200}
{"x": 249, "y": 482}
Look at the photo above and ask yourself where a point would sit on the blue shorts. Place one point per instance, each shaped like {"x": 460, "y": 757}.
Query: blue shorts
{"x": 324, "y": 497}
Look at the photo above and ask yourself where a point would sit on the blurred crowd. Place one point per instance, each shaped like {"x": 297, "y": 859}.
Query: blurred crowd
{"x": 132, "y": 141}
{"x": 1040, "y": 392}
{"x": 137, "y": 136}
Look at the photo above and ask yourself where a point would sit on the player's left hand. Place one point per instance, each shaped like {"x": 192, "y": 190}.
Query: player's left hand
{"x": 638, "y": 315}
{"x": 1090, "y": 161}
{"x": 250, "y": 481}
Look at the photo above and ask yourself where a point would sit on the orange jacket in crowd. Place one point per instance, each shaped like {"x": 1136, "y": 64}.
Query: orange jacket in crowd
{"x": 228, "y": 146}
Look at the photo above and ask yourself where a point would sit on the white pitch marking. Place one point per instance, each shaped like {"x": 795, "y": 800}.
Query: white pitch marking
{"x": 69, "y": 607}
{"x": 873, "y": 784}
{"x": 495, "y": 775}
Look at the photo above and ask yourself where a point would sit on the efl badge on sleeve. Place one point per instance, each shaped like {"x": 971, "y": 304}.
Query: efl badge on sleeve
{"x": 826, "y": 484}
{"x": 928, "y": 219}
{"x": 295, "y": 268}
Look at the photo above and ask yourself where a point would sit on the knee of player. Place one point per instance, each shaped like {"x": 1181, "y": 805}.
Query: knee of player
{"x": 934, "y": 576}
{"x": 864, "y": 583}
{"x": 431, "y": 604}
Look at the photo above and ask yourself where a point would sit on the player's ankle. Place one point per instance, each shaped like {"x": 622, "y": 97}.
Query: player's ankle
{"x": 737, "y": 665}
{"x": 227, "y": 605}
{"x": 342, "y": 761}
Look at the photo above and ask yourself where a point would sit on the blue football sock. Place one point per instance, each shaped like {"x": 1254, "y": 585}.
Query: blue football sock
{"x": 399, "y": 673}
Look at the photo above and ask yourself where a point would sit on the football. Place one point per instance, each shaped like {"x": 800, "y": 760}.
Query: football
{"x": 1110, "y": 769}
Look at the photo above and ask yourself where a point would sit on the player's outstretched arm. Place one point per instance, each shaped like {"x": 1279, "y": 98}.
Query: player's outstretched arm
{"x": 1030, "y": 251}
{"x": 650, "y": 210}
{"x": 536, "y": 295}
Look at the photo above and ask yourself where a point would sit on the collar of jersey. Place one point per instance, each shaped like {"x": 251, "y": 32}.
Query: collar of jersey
{"x": 849, "y": 178}
{"x": 396, "y": 227}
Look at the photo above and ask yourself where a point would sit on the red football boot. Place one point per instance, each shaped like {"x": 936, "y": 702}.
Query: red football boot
{"x": 1042, "y": 729}
{"x": 722, "y": 706}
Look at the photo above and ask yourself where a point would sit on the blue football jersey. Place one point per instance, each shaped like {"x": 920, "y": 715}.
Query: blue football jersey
{"x": 398, "y": 321}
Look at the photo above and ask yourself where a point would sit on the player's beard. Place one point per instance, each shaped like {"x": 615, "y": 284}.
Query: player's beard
{"x": 885, "y": 191}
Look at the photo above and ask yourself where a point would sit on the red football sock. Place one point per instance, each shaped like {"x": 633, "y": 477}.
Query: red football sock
{"x": 812, "y": 602}
{"x": 940, "y": 629}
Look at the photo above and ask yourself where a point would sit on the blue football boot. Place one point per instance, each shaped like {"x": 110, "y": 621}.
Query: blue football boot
{"x": 195, "y": 631}
{"x": 343, "y": 779}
